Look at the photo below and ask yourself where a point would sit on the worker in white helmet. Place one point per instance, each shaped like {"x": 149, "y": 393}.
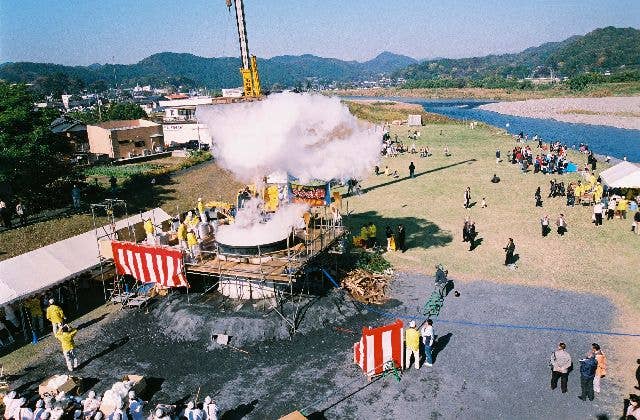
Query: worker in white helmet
{"x": 209, "y": 409}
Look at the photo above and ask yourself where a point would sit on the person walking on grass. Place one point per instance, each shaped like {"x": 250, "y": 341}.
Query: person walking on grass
{"x": 560, "y": 365}
{"x": 467, "y": 197}
{"x": 412, "y": 344}
{"x": 561, "y": 223}
{"x": 597, "y": 213}
{"x": 412, "y": 170}
{"x": 544, "y": 223}
{"x": 538, "y": 197}
{"x": 427, "y": 341}
{"x": 66, "y": 336}
{"x": 601, "y": 368}
{"x": 588, "y": 367}
{"x": 509, "y": 250}
{"x": 471, "y": 235}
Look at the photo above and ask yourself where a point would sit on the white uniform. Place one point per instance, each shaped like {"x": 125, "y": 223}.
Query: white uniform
{"x": 210, "y": 411}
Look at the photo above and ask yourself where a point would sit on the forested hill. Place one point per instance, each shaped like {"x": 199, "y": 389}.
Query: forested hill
{"x": 193, "y": 71}
{"x": 607, "y": 49}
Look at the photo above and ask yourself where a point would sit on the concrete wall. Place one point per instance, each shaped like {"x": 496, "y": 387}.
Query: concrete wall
{"x": 182, "y": 133}
{"x": 119, "y": 138}
{"x": 99, "y": 140}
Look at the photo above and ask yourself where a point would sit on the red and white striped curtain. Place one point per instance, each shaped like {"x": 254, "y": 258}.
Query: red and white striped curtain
{"x": 378, "y": 346}
{"x": 157, "y": 264}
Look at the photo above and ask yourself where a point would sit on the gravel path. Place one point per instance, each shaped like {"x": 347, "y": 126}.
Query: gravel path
{"x": 479, "y": 372}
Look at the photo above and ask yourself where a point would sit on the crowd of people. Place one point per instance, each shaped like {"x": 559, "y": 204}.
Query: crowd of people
{"x": 120, "y": 407}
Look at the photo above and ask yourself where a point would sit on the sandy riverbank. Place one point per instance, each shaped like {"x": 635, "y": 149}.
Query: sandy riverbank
{"x": 621, "y": 112}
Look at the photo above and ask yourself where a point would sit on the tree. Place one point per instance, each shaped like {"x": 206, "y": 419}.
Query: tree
{"x": 32, "y": 158}
{"x": 124, "y": 111}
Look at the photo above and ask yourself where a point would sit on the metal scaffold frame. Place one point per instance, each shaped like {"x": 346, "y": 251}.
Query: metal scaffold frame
{"x": 109, "y": 231}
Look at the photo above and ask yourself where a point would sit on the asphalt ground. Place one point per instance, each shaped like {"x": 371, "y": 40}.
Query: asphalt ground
{"x": 480, "y": 371}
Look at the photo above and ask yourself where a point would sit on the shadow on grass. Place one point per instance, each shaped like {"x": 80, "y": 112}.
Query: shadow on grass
{"x": 396, "y": 180}
{"x": 420, "y": 233}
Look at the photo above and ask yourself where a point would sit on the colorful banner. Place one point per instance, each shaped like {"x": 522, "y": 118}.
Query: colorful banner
{"x": 311, "y": 194}
{"x": 145, "y": 263}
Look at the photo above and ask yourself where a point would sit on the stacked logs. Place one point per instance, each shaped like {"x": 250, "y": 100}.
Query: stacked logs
{"x": 366, "y": 286}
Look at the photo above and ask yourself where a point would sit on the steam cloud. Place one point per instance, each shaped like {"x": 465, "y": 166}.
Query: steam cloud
{"x": 308, "y": 136}
{"x": 249, "y": 229}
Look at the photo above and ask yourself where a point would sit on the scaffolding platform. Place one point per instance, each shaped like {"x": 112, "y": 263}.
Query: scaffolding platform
{"x": 279, "y": 267}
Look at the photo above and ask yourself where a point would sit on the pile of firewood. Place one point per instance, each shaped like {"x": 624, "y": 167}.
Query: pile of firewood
{"x": 366, "y": 286}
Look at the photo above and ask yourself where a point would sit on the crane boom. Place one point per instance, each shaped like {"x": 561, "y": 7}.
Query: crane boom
{"x": 249, "y": 69}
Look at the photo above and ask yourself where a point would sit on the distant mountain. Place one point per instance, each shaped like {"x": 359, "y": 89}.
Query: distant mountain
{"x": 194, "y": 71}
{"x": 602, "y": 49}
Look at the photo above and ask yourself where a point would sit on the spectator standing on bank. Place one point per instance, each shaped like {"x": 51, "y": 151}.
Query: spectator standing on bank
{"x": 497, "y": 156}
{"x": 400, "y": 238}
{"x": 560, "y": 365}
{"x": 75, "y": 196}
{"x": 544, "y": 223}
{"x": 467, "y": 197}
{"x": 509, "y": 250}
{"x": 427, "y": 340}
{"x": 588, "y": 367}
{"x": 5, "y": 215}
{"x": 412, "y": 170}
{"x": 20, "y": 211}
{"x": 538, "y": 196}
{"x": 601, "y": 368}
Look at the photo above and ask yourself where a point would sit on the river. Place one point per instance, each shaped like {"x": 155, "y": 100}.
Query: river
{"x": 603, "y": 140}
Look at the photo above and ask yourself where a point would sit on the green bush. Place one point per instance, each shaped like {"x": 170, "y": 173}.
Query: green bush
{"x": 372, "y": 262}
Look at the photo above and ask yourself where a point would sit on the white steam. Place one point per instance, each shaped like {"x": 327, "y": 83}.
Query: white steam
{"x": 251, "y": 229}
{"x": 307, "y": 136}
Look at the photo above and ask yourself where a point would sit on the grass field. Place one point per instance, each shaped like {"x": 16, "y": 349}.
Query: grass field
{"x": 595, "y": 91}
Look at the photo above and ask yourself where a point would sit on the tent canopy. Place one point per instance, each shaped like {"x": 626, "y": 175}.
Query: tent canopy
{"x": 622, "y": 175}
{"x": 43, "y": 268}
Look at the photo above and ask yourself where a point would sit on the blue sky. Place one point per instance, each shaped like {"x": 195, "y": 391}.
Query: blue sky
{"x": 125, "y": 31}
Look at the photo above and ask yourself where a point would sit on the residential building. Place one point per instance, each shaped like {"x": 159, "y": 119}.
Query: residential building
{"x": 126, "y": 138}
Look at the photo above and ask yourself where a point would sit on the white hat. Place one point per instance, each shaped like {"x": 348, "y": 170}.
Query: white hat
{"x": 207, "y": 400}
{"x": 412, "y": 324}
{"x": 190, "y": 405}
{"x": 39, "y": 403}
{"x": 77, "y": 414}
{"x": 159, "y": 412}
{"x": 22, "y": 401}
{"x": 91, "y": 394}
{"x": 51, "y": 301}
{"x": 199, "y": 198}
{"x": 132, "y": 394}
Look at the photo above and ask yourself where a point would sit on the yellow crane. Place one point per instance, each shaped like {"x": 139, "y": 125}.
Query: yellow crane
{"x": 249, "y": 69}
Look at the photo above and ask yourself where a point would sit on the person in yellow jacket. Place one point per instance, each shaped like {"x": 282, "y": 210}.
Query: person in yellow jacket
{"x": 34, "y": 310}
{"x": 192, "y": 242}
{"x": 412, "y": 345}
{"x": 200, "y": 207}
{"x": 151, "y": 232}
{"x": 373, "y": 233}
{"x": 364, "y": 236}
{"x": 55, "y": 315}
{"x": 66, "y": 335}
{"x": 182, "y": 235}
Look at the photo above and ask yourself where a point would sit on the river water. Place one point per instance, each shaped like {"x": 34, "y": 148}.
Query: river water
{"x": 603, "y": 140}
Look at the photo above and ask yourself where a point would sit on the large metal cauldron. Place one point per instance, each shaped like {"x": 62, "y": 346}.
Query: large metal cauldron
{"x": 253, "y": 250}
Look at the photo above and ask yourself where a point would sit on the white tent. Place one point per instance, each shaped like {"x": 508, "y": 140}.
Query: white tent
{"x": 622, "y": 175}
{"x": 45, "y": 267}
